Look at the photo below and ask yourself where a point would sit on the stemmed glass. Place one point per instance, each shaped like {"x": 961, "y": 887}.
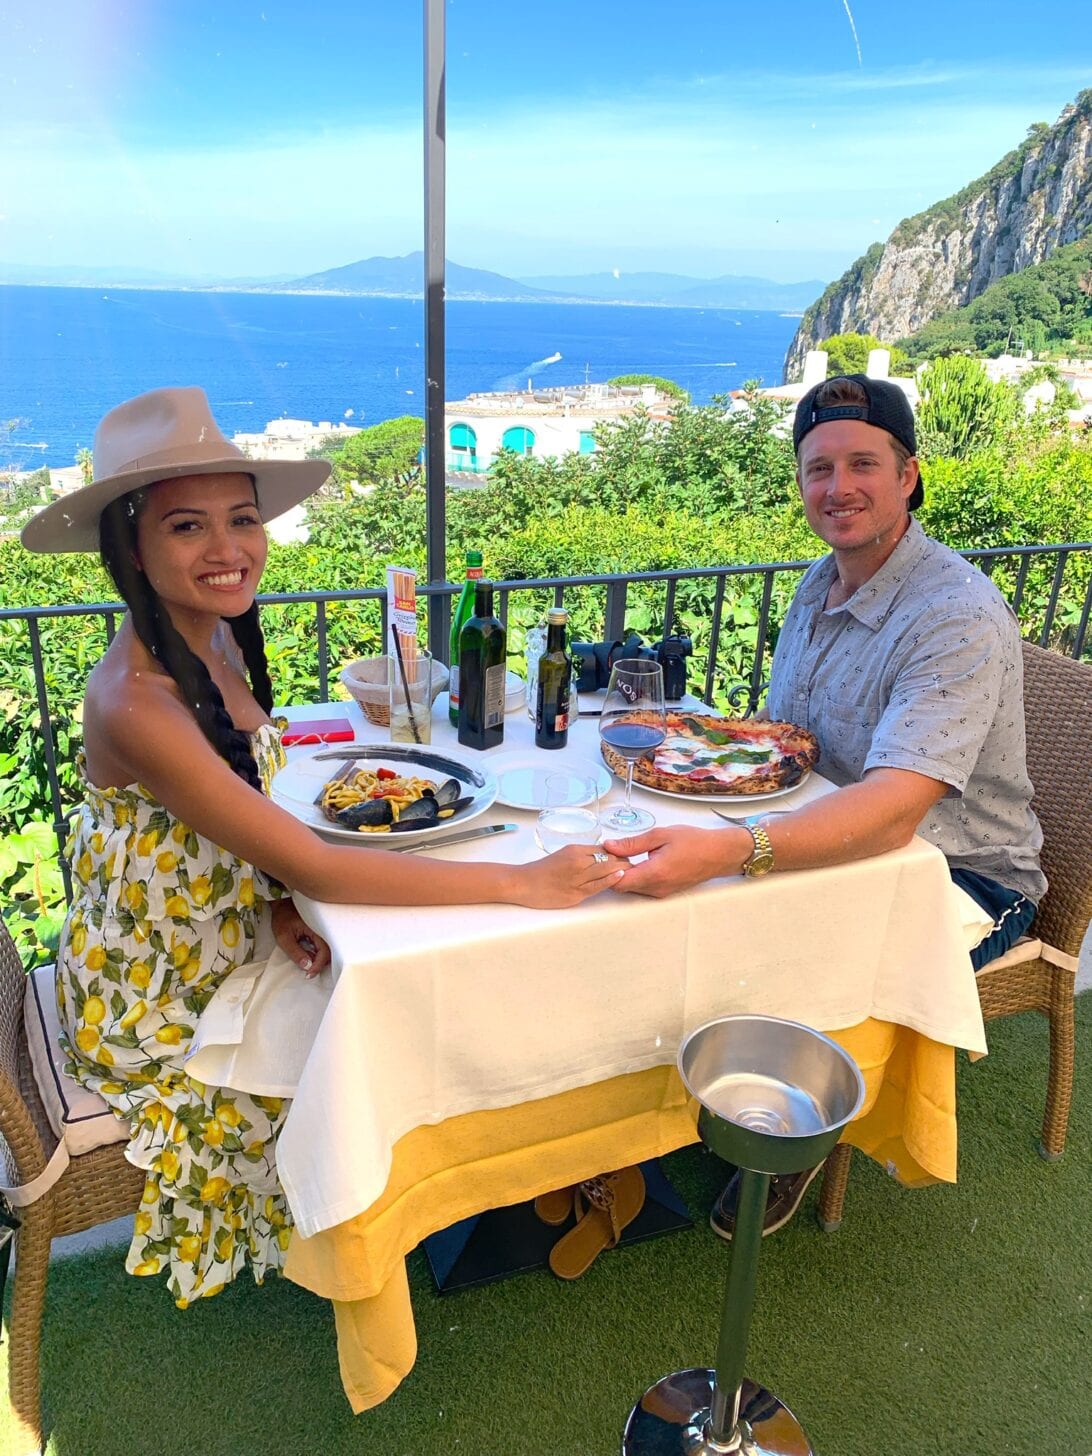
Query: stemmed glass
{"x": 633, "y": 721}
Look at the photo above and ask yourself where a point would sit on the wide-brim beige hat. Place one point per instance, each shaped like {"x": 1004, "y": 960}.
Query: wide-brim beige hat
{"x": 158, "y": 435}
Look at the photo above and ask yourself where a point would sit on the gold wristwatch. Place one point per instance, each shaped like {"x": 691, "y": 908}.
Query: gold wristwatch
{"x": 760, "y": 861}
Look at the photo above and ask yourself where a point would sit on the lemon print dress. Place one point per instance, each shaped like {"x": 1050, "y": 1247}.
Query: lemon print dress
{"x": 160, "y": 917}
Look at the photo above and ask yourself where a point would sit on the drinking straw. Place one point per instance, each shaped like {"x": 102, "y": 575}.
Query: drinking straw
{"x": 405, "y": 687}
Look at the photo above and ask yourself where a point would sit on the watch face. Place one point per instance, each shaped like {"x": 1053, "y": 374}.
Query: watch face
{"x": 759, "y": 864}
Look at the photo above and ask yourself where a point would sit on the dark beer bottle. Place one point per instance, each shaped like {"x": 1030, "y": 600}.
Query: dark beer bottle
{"x": 464, "y": 610}
{"x": 555, "y": 675}
{"x": 482, "y": 665}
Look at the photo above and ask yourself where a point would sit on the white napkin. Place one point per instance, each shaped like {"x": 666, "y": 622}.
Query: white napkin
{"x": 975, "y": 922}
{"x": 256, "y": 1032}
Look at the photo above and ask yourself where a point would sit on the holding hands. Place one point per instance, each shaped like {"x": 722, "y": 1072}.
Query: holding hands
{"x": 679, "y": 857}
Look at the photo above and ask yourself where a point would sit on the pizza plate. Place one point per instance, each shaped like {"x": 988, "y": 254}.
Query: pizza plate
{"x": 741, "y": 801}
{"x": 296, "y": 786}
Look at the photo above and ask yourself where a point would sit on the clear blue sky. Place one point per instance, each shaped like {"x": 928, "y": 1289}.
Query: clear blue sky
{"x": 262, "y": 137}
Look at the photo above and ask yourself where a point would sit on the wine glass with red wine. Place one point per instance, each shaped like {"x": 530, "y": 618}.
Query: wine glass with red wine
{"x": 633, "y": 722}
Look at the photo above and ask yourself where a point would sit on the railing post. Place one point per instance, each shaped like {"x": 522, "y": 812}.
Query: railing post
{"x": 59, "y": 823}
{"x": 323, "y": 654}
{"x": 614, "y": 625}
{"x": 1052, "y": 604}
{"x": 714, "y": 639}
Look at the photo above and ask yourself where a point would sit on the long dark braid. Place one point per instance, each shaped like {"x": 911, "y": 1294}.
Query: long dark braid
{"x": 153, "y": 625}
{"x": 247, "y": 630}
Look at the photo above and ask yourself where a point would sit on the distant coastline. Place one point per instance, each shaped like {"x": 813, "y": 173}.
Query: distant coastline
{"x": 418, "y": 297}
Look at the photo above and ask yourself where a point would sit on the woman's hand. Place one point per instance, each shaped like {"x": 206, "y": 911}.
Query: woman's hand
{"x": 298, "y": 941}
{"x": 566, "y": 877}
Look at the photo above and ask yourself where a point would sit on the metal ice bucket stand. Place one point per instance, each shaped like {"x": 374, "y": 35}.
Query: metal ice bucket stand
{"x": 774, "y": 1096}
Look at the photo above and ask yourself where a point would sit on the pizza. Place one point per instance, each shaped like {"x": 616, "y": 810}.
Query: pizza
{"x": 705, "y": 755}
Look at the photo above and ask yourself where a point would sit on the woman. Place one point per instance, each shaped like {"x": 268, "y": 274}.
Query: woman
{"x": 179, "y": 858}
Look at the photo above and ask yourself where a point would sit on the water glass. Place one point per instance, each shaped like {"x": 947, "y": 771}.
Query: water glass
{"x": 570, "y": 814}
{"x": 409, "y": 687}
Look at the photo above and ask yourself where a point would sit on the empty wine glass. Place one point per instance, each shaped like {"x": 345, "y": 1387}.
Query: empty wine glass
{"x": 570, "y": 814}
{"x": 633, "y": 721}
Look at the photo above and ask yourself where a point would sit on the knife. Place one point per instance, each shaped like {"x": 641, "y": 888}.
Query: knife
{"x": 478, "y": 833}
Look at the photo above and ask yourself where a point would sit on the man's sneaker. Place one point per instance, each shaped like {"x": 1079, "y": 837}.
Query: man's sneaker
{"x": 786, "y": 1192}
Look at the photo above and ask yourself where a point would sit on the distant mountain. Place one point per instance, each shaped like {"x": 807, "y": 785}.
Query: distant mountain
{"x": 404, "y": 277}
{"x": 618, "y": 287}
{"x": 730, "y": 291}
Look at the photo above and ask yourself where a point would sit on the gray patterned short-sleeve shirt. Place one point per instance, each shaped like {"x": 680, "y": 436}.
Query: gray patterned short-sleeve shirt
{"x": 921, "y": 670}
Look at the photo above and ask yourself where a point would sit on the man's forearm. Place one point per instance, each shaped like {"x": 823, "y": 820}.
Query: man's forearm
{"x": 880, "y": 813}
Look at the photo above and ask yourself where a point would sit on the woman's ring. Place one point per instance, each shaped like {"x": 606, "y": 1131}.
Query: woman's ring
{"x": 599, "y": 857}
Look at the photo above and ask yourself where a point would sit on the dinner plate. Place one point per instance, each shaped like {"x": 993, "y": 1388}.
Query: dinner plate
{"x": 521, "y": 778}
{"x": 297, "y": 785}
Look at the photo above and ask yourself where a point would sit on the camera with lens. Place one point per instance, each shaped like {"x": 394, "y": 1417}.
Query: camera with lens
{"x": 671, "y": 654}
{"x": 597, "y": 659}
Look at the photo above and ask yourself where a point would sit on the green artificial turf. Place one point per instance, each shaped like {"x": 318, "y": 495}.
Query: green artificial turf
{"x": 955, "y": 1321}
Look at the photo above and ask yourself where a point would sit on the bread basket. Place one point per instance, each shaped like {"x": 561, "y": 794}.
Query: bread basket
{"x": 366, "y": 682}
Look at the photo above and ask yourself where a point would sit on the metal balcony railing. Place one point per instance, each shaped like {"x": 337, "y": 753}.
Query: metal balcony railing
{"x": 1074, "y": 637}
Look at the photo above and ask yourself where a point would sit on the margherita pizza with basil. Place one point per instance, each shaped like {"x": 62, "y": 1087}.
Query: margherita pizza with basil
{"x": 721, "y": 755}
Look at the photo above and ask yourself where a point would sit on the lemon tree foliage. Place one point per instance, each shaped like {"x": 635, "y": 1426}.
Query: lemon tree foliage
{"x": 708, "y": 487}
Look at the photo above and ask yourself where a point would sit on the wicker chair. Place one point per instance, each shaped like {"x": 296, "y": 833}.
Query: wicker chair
{"x": 95, "y": 1187}
{"x": 1038, "y": 975}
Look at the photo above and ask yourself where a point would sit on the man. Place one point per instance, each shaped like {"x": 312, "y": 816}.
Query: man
{"x": 904, "y": 661}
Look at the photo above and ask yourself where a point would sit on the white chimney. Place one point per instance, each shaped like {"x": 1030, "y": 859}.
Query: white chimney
{"x": 879, "y": 363}
{"x": 815, "y": 367}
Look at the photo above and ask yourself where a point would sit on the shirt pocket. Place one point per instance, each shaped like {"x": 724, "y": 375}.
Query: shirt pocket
{"x": 845, "y": 734}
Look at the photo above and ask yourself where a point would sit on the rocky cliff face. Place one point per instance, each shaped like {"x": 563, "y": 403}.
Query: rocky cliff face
{"x": 1036, "y": 199}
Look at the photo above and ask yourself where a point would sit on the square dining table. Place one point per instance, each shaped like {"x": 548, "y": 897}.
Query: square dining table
{"x": 473, "y": 1057}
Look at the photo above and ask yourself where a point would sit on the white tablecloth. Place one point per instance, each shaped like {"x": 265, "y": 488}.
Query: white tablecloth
{"x": 438, "y": 1011}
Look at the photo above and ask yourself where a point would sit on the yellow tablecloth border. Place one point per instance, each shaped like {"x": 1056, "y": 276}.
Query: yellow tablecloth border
{"x": 454, "y": 1169}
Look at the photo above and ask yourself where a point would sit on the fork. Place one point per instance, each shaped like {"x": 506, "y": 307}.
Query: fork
{"x": 748, "y": 818}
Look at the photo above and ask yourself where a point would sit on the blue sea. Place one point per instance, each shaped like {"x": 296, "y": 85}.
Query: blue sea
{"x": 68, "y": 354}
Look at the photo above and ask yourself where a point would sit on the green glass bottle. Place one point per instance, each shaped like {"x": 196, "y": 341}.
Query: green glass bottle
{"x": 555, "y": 675}
{"x": 464, "y": 610}
{"x": 482, "y": 661}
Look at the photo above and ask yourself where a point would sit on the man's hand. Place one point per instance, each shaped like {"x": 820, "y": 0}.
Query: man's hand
{"x": 298, "y": 941}
{"x": 679, "y": 857}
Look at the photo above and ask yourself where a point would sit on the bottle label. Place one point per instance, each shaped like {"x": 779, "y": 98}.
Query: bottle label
{"x": 453, "y": 684}
{"x": 494, "y": 695}
{"x": 475, "y": 573}
{"x": 561, "y": 717}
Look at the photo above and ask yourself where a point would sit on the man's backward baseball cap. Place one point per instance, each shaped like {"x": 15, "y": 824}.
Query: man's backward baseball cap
{"x": 887, "y": 408}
